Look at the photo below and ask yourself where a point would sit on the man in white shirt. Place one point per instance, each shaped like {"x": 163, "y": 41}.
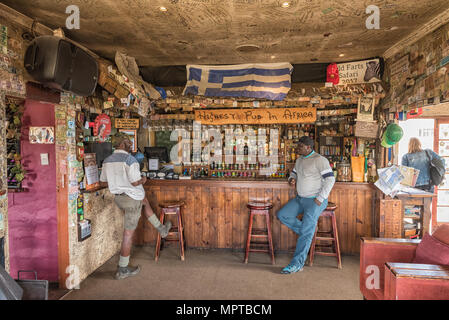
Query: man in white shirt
{"x": 314, "y": 181}
{"x": 121, "y": 174}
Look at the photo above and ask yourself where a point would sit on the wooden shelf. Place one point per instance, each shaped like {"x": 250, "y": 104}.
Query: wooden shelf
{"x": 93, "y": 190}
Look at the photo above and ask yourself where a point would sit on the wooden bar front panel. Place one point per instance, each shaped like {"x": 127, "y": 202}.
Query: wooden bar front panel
{"x": 216, "y": 216}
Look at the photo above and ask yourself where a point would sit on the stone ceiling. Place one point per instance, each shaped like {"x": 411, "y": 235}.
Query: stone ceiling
{"x": 214, "y": 31}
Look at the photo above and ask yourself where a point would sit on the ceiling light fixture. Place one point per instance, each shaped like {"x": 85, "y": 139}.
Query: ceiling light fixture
{"x": 247, "y": 48}
{"x": 285, "y": 4}
{"x": 341, "y": 55}
{"x": 163, "y": 9}
{"x": 272, "y": 57}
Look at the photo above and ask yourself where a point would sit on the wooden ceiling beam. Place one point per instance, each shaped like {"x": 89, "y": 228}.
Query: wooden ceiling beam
{"x": 429, "y": 27}
{"x": 23, "y": 21}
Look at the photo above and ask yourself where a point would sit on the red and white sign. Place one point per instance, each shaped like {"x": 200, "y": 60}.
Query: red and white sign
{"x": 102, "y": 127}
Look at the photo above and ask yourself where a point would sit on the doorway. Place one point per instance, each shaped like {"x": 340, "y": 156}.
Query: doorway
{"x": 423, "y": 129}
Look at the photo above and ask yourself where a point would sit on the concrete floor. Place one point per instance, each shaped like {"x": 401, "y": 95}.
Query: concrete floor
{"x": 221, "y": 275}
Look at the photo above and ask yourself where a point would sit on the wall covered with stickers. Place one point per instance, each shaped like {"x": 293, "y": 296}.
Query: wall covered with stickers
{"x": 418, "y": 76}
{"x": 98, "y": 206}
{"x": 12, "y": 83}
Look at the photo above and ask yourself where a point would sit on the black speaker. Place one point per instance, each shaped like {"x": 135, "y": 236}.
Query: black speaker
{"x": 62, "y": 65}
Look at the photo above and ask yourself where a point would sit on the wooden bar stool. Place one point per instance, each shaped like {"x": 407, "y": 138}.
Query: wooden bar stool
{"x": 332, "y": 235}
{"x": 171, "y": 208}
{"x": 259, "y": 208}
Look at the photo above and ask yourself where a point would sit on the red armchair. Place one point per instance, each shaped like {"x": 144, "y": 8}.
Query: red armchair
{"x": 387, "y": 272}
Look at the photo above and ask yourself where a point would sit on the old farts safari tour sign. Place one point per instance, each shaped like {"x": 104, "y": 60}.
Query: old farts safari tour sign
{"x": 256, "y": 116}
{"x": 359, "y": 72}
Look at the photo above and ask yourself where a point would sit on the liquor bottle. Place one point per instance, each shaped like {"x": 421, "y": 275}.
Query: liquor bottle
{"x": 295, "y": 133}
{"x": 245, "y": 150}
{"x": 293, "y": 155}
{"x": 290, "y": 133}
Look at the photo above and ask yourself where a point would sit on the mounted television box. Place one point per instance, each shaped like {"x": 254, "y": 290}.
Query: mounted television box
{"x": 101, "y": 150}
{"x": 61, "y": 65}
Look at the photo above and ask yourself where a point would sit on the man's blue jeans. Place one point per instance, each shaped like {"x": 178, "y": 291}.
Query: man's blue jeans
{"x": 305, "y": 228}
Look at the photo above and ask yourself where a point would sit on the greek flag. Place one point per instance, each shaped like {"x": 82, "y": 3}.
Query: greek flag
{"x": 263, "y": 80}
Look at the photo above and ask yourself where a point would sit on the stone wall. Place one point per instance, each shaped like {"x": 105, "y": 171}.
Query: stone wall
{"x": 107, "y": 233}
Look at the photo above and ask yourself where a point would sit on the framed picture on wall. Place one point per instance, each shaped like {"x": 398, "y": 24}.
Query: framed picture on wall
{"x": 42, "y": 135}
{"x": 133, "y": 135}
{"x": 365, "y": 110}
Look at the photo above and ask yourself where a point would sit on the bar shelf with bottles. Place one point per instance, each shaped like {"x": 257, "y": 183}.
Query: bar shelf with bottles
{"x": 351, "y": 158}
{"x": 334, "y": 139}
{"x": 257, "y": 169}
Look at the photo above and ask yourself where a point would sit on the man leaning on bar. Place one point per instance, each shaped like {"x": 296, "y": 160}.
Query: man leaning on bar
{"x": 314, "y": 181}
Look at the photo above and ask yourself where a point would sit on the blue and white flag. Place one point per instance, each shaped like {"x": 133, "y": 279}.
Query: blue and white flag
{"x": 257, "y": 80}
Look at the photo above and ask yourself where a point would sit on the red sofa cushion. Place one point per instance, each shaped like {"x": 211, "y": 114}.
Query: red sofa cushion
{"x": 432, "y": 251}
{"x": 442, "y": 233}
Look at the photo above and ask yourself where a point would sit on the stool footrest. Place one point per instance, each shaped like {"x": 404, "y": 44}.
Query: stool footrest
{"x": 329, "y": 254}
{"x": 259, "y": 231}
{"x": 259, "y": 244}
{"x": 325, "y": 238}
{"x": 259, "y": 250}
{"x": 259, "y": 235}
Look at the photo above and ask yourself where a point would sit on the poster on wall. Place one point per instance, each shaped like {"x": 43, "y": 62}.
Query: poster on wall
{"x": 102, "y": 127}
{"x": 133, "y": 137}
{"x": 359, "y": 72}
{"x": 365, "y": 110}
{"x": 91, "y": 171}
{"x": 42, "y": 135}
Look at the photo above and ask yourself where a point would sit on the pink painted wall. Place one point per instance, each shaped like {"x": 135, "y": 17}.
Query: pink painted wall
{"x": 32, "y": 215}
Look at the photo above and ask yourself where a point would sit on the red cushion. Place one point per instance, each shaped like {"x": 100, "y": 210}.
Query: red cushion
{"x": 442, "y": 233}
{"x": 432, "y": 251}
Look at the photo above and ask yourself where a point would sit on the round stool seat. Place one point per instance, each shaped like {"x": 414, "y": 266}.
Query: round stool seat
{"x": 331, "y": 206}
{"x": 171, "y": 204}
{"x": 259, "y": 205}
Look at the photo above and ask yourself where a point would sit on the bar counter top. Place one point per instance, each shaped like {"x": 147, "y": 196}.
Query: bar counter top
{"x": 246, "y": 183}
{"x": 216, "y": 216}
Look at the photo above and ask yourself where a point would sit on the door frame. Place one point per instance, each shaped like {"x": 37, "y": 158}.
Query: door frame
{"x": 436, "y": 135}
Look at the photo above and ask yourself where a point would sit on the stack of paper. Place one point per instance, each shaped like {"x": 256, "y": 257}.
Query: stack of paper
{"x": 389, "y": 180}
{"x": 410, "y": 176}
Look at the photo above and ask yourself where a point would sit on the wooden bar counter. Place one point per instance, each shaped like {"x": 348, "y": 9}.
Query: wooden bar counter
{"x": 216, "y": 216}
